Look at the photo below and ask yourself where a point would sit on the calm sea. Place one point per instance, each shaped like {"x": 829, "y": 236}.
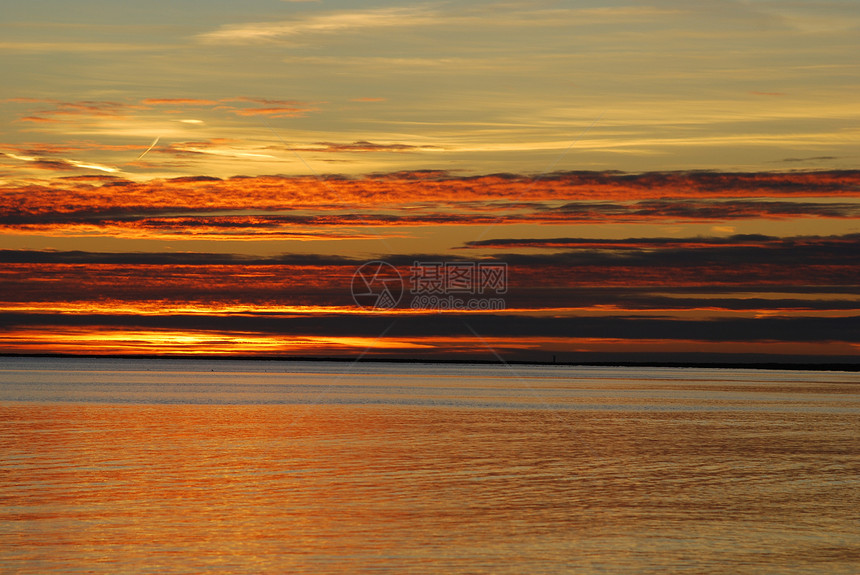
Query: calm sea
{"x": 162, "y": 466}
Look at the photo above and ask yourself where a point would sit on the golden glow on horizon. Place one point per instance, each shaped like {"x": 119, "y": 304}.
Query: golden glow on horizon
{"x": 200, "y": 342}
{"x": 161, "y": 308}
{"x": 192, "y": 342}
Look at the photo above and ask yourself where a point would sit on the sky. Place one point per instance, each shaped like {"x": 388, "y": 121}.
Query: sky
{"x": 659, "y": 181}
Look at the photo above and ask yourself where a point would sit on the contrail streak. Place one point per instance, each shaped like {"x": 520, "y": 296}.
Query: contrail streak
{"x": 155, "y": 141}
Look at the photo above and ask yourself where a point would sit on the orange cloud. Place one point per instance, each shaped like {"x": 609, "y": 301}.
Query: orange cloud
{"x": 69, "y": 206}
{"x": 30, "y": 100}
{"x": 179, "y": 101}
{"x": 277, "y": 112}
{"x": 81, "y": 302}
{"x": 37, "y": 119}
{"x": 271, "y": 107}
{"x": 88, "y": 107}
{"x": 247, "y": 107}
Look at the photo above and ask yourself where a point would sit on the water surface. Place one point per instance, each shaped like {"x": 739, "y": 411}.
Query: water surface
{"x": 187, "y": 466}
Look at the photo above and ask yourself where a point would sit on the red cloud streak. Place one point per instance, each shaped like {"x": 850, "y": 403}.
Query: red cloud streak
{"x": 72, "y": 195}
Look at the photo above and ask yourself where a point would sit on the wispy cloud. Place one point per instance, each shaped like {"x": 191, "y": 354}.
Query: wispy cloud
{"x": 51, "y": 163}
{"x": 321, "y": 23}
{"x": 364, "y": 146}
{"x": 192, "y": 148}
{"x": 75, "y": 47}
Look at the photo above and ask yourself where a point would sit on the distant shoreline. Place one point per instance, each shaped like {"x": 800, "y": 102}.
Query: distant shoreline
{"x": 800, "y": 366}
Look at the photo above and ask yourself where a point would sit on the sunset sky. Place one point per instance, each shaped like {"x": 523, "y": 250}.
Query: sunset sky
{"x": 665, "y": 181}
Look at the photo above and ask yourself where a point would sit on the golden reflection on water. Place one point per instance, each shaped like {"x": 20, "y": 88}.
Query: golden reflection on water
{"x": 357, "y": 488}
